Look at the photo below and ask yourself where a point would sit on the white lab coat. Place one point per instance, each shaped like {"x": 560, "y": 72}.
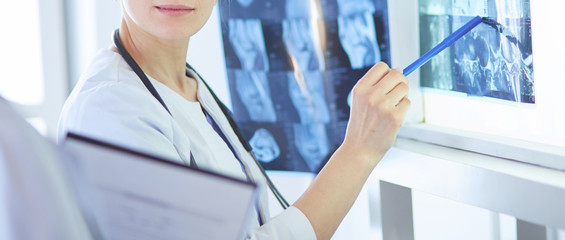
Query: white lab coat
{"x": 35, "y": 198}
{"x": 110, "y": 103}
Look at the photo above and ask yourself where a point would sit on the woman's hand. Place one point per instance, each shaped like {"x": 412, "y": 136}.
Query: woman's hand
{"x": 379, "y": 105}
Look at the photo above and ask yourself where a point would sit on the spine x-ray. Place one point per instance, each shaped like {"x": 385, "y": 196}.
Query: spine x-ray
{"x": 291, "y": 67}
{"x": 490, "y": 61}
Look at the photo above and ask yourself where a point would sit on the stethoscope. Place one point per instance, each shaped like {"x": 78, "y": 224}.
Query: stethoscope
{"x": 143, "y": 77}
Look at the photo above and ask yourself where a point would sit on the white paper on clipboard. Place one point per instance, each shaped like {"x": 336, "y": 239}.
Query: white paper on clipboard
{"x": 130, "y": 195}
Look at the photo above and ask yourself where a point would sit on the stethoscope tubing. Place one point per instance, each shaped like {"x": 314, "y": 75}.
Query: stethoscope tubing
{"x": 143, "y": 77}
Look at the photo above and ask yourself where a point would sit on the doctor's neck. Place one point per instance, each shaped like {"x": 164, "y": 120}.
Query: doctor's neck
{"x": 162, "y": 59}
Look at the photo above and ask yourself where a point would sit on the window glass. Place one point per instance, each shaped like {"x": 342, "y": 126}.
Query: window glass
{"x": 20, "y": 45}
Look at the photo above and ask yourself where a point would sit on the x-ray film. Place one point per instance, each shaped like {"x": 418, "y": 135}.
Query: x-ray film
{"x": 291, "y": 66}
{"x": 493, "y": 60}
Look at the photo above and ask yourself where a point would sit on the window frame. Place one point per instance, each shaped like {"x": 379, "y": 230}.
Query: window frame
{"x": 405, "y": 49}
{"x": 54, "y": 70}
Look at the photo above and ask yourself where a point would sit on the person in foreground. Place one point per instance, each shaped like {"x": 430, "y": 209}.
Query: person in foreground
{"x": 112, "y": 104}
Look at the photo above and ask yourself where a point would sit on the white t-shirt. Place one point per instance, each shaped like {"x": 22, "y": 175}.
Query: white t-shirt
{"x": 111, "y": 103}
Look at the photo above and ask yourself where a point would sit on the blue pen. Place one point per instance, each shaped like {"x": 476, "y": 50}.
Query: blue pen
{"x": 448, "y": 41}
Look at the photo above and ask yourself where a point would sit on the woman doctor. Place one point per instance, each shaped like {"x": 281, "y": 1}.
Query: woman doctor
{"x": 111, "y": 103}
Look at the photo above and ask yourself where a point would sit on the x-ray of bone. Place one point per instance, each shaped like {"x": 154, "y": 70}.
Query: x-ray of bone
{"x": 256, "y": 9}
{"x": 253, "y": 91}
{"x": 273, "y": 145}
{"x": 301, "y": 35}
{"x": 357, "y": 32}
{"x": 299, "y": 42}
{"x": 358, "y": 38}
{"x": 311, "y": 140}
{"x": 264, "y": 145}
{"x": 490, "y": 61}
{"x": 245, "y": 3}
{"x": 291, "y": 65}
{"x": 246, "y": 37}
{"x": 299, "y": 9}
{"x": 307, "y": 95}
{"x": 351, "y": 7}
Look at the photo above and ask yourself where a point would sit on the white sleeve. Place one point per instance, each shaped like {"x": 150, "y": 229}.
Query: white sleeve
{"x": 290, "y": 224}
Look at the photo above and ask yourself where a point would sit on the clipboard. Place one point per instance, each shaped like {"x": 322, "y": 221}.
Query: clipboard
{"x": 126, "y": 194}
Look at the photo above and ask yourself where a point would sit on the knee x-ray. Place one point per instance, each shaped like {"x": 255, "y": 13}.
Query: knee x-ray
{"x": 357, "y": 32}
{"x": 253, "y": 90}
{"x": 264, "y": 145}
{"x": 307, "y": 97}
{"x": 291, "y": 67}
{"x": 490, "y": 61}
{"x": 246, "y": 37}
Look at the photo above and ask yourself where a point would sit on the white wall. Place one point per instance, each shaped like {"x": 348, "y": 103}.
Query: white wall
{"x": 32, "y": 60}
{"x": 206, "y": 55}
{"x": 90, "y": 24}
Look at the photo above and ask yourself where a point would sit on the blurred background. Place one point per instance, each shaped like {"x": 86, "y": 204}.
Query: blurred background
{"x": 46, "y": 45}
